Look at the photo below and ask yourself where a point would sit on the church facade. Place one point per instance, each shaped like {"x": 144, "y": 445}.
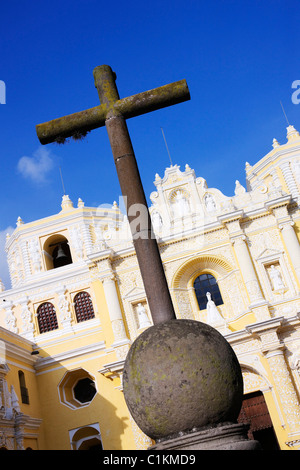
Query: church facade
{"x": 77, "y": 302}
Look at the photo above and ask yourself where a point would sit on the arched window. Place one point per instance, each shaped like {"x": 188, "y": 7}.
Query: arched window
{"x": 57, "y": 252}
{"x": 83, "y": 306}
{"x": 23, "y": 388}
{"x": 207, "y": 283}
{"x": 46, "y": 317}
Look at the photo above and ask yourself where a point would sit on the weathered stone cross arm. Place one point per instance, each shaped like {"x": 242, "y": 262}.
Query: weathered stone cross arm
{"x": 132, "y": 106}
{"x": 113, "y": 113}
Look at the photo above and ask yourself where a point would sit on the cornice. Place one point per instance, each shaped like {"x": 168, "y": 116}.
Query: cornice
{"x": 271, "y": 157}
{"x": 43, "y": 363}
{"x": 48, "y": 278}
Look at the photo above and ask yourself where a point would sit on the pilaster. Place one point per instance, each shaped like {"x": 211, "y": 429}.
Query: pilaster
{"x": 258, "y": 304}
{"x": 273, "y": 349}
{"x": 279, "y": 208}
{"x": 108, "y": 279}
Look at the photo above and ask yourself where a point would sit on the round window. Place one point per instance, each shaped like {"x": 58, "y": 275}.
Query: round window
{"x": 84, "y": 390}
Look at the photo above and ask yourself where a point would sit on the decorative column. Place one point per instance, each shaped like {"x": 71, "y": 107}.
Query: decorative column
{"x": 238, "y": 239}
{"x": 26, "y": 262}
{"x": 292, "y": 245}
{"x": 289, "y": 179}
{"x": 87, "y": 238}
{"x": 247, "y": 269}
{"x": 108, "y": 280}
{"x": 273, "y": 350}
{"x": 285, "y": 223}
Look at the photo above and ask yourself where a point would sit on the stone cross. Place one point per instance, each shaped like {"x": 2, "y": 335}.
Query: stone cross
{"x": 113, "y": 113}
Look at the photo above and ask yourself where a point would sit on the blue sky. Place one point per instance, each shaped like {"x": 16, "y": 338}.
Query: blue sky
{"x": 239, "y": 58}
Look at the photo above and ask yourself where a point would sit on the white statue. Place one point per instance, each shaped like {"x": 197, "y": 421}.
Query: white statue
{"x": 144, "y": 321}
{"x": 213, "y": 315}
{"x": 181, "y": 204}
{"x": 210, "y": 203}
{"x": 14, "y": 400}
{"x": 276, "y": 278}
{"x": 156, "y": 221}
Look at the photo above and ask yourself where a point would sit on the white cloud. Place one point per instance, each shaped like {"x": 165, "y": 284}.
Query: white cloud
{"x": 4, "y": 272}
{"x": 36, "y": 167}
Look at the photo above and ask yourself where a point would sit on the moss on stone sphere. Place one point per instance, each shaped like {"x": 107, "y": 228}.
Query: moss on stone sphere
{"x": 180, "y": 375}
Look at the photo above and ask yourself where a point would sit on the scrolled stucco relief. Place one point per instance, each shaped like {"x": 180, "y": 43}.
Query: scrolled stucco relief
{"x": 183, "y": 302}
{"x": 118, "y": 329}
{"x": 27, "y": 319}
{"x": 34, "y": 255}
{"x": 252, "y": 381}
{"x": 287, "y": 310}
{"x": 121, "y": 352}
{"x": 125, "y": 262}
{"x": 267, "y": 240}
{"x": 285, "y": 387}
{"x": 64, "y": 310}
{"x": 294, "y": 363}
{"x": 10, "y": 318}
{"x": 245, "y": 347}
{"x": 76, "y": 240}
{"x": 257, "y": 223}
{"x": 142, "y": 441}
{"x": 128, "y": 280}
{"x": 233, "y": 294}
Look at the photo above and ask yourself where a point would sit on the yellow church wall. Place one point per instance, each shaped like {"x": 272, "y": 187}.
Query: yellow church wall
{"x": 103, "y": 311}
{"x": 281, "y": 433}
{"x": 16, "y": 357}
{"x": 235, "y": 243}
{"x": 273, "y": 401}
{"x": 107, "y": 407}
{"x": 241, "y": 323}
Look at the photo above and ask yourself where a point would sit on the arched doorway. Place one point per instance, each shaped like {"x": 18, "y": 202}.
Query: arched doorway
{"x": 255, "y": 412}
{"x": 86, "y": 438}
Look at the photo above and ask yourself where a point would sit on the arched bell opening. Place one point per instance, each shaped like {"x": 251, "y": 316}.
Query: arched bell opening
{"x": 57, "y": 252}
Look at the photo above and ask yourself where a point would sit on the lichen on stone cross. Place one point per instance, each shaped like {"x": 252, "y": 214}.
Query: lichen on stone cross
{"x": 113, "y": 113}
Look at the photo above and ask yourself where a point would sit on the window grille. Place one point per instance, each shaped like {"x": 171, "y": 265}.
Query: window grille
{"x": 83, "y": 307}
{"x": 47, "y": 319}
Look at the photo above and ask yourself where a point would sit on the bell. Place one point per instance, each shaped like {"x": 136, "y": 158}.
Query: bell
{"x": 60, "y": 258}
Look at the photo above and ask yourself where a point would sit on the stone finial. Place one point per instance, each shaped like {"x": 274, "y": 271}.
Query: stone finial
{"x": 292, "y": 134}
{"x": 275, "y": 143}
{"x": 80, "y": 202}
{"x": 19, "y": 221}
{"x": 66, "y": 204}
{"x": 248, "y": 167}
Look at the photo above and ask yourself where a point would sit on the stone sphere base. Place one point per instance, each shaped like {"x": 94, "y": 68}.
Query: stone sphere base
{"x": 179, "y": 376}
{"x": 222, "y": 437}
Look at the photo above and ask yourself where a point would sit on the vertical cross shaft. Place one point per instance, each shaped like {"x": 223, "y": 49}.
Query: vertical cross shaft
{"x": 113, "y": 113}
{"x": 146, "y": 248}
